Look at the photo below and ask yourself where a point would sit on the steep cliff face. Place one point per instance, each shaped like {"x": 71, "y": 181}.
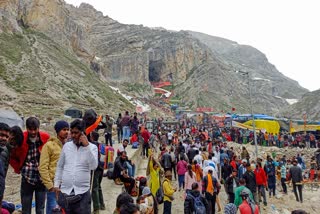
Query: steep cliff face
{"x": 200, "y": 67}
{"x": 309, "y": 104}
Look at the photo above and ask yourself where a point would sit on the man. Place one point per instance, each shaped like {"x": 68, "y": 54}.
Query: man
{"x": 251, "y": 184}
{"x": 120, "y": 172}
{"x": 97, "y": 196}
{"x": 122, "y": 147}
{"x": 242, "y": 168}
{"x": 146, "y": 136}
{"x": 232, "y": 182}
{"x": 2, "y": 183}
{"x": 296, "y": 177}
{"x": 125, "y": 124}
{"x": 283, "y": 172}
{"x": 247, "y": 206}
{"x": 194, "y": 200}
{"x": 48, "y": 161}
{"x": 211, "y": 187}
{"x": 239, "y": 189}
{"x": 119, "y": 128}
{"x": 25, "y": 160}
{"x": 261, "y": 181}
{"x": 168, "y": 192}
{"x": 72, "y": 180}
{"x": 4, "y": 146}
{"x": 134, "y": 123}
{"x": 166, "y": 161}
{"x": 108, "y": 130}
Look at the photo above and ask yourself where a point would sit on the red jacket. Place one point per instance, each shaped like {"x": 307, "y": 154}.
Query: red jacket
{"x": 146, "y": 136}
{"x": 18, "y": 155}
{"x": 261, "y": 177}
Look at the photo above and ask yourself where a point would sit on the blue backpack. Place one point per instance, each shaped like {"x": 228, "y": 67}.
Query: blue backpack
{"x": 199, "y": 207}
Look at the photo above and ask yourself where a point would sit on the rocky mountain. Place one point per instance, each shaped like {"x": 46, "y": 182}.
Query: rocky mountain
{"x": 309, "y": 104}
{"x": 200, "y": 67}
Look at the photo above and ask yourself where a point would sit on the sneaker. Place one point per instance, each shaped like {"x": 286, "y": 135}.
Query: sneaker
{"x": 103, "y": 207}
{"x": 265, "y": 204}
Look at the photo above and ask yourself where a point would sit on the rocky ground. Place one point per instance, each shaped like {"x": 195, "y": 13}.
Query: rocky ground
{"x": 283, "y": 204}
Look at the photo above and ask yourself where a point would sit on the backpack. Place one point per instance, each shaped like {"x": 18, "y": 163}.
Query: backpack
{"x": 199, "y": 207}
{"x": 135, "y": 145}
{"x": 159, "y": 195}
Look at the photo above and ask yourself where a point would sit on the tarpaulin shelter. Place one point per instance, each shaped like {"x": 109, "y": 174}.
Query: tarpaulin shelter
{"x": 10, "y": 117}
{"x": 270, "y": 126}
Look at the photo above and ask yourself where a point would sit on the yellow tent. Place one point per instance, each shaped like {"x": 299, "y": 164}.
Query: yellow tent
{"x": 270, "y": 126}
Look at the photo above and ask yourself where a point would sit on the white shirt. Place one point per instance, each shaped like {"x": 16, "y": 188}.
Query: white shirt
{"x": 74, "y": 166}
{"x": 170, "y": 135}
{"x": 198, "y": 158}
{"x": 217, "y": 155}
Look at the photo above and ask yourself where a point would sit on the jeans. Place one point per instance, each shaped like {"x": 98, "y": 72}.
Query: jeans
{"x": 97, "y": 196}
{"x": 83, "y": 206}
{"x": 131, "y": 169}
{"x": 126, "y": 132}
{"x": 284, "y": 185}
{"x": 295, "y": 191}
{"x": 119, "y": 134}
{"x": 231, "y": 197}
{"x": 108, "y": 137}
{"x": 145, "y": 149}
{"x": 167, "y": 207}
{"x": 262, "y": 192}
{"x": 26, "y": 193}
{"x": 51, "y": 202}
{"x": 174, "y": 169}
{"x": 181, "y": 181}
{"x": 211, "y": 199}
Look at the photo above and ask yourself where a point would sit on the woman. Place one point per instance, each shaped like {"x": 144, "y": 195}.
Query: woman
{"x": 181, "y": 170}
{"x": 154, "y": 182}
{"x": 189, "y": 179}
{"x": 198, "y": 171}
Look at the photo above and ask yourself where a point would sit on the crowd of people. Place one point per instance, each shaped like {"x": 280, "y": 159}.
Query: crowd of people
{"x": 65, "y": 171}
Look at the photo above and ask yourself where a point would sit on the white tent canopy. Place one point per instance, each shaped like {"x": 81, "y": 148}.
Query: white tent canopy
{"x": 10, "y": 117}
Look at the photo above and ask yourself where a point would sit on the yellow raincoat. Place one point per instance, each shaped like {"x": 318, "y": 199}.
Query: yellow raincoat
{"x": 154, "y": 182}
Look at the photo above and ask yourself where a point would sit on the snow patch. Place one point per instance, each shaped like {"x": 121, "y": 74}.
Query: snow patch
{"x": 258, "y": 78}
{"x": 135, "y": 102}
{"x": 292, "y": 101}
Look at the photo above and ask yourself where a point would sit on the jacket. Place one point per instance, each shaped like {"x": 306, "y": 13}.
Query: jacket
{"x": 167, "y": 190}
{"x": 295, "y": 174}
{"x": 189, "y": 202}
{"x": 5, "y": 157}
{"x": 261, "y": 177}
{"x": 226, "y": 171}
{"x": 182, "y": 167}
{"x": 18, "y": 155}
{"x": 229, "y": 184}
{"x": 251, "y": 182}
{"x": 238, "y": 198}
{"x": 166, "y": 161}
{"x": 49, "y": 157}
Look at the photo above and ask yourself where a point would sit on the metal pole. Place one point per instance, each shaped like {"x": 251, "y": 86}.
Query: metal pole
{"x": 253, "y": 120}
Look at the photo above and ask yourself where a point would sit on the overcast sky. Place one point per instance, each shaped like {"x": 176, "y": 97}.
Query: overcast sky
{"x": 287, "y": 31}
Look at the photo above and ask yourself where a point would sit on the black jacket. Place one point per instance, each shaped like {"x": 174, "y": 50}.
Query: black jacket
{"x": 296, "y": 174}
{"x": 5, "y": 157}
{"x": 189, "y": 202}
{"x": 166, "y": 161}
{"x": 226, "y": 171}
{"x": 118, "y": 167}
{"x": 2, "y": 179}
{"x": 250, "y": 179}
{"x": 191, "y": 154}
{"x": 229, "y": 184}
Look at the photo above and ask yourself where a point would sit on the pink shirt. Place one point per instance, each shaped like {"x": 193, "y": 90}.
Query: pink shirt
{"x": 182, "y": 167}
{"x": 189, "y": 181}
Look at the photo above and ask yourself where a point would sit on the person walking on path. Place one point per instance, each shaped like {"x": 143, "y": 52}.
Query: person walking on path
{"x": 238, "y": 198}
{"x": 25, "y": 160}
{"x": 189, "y": 179}
{"x": 119, "y": 128}
{"x": 296, "y": 177}
{"x": 49, "y": 157}
{"x": 182, "y": 168}
{"x": 193, "y": 197}
{"x": 212, "y": 189}
{"x": 261, "y": 180}
{"x": 283, "y": 172}
{"x": 168, "y": 192}
{"x": 232, "y": 182}
{"x": 97, "y": 196}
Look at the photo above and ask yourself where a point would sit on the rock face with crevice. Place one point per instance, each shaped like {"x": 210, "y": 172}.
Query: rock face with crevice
{"x": 200, "y": 67}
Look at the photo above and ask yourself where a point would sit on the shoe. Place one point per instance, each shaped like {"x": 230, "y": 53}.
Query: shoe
{"x": 265, "y": 204}
{"x": 95, "y": 212}
{"x": 103, "y": 207}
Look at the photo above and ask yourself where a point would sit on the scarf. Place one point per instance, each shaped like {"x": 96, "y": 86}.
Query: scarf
{"x": 210, "y": 184}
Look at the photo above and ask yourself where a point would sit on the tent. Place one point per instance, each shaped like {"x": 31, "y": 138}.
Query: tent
{"x": 73, "y": 112}
{"x": 10, "y": 117}
{"x": 269, "y": 125}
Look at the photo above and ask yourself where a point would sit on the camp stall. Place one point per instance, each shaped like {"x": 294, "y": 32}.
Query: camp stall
{"x": 73, "y": 112}
{"x": 269, "y": 126}
{"x": 10, "y": 117}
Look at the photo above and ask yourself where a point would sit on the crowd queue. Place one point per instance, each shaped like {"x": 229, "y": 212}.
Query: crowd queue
{"x": 65, "y": 171}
